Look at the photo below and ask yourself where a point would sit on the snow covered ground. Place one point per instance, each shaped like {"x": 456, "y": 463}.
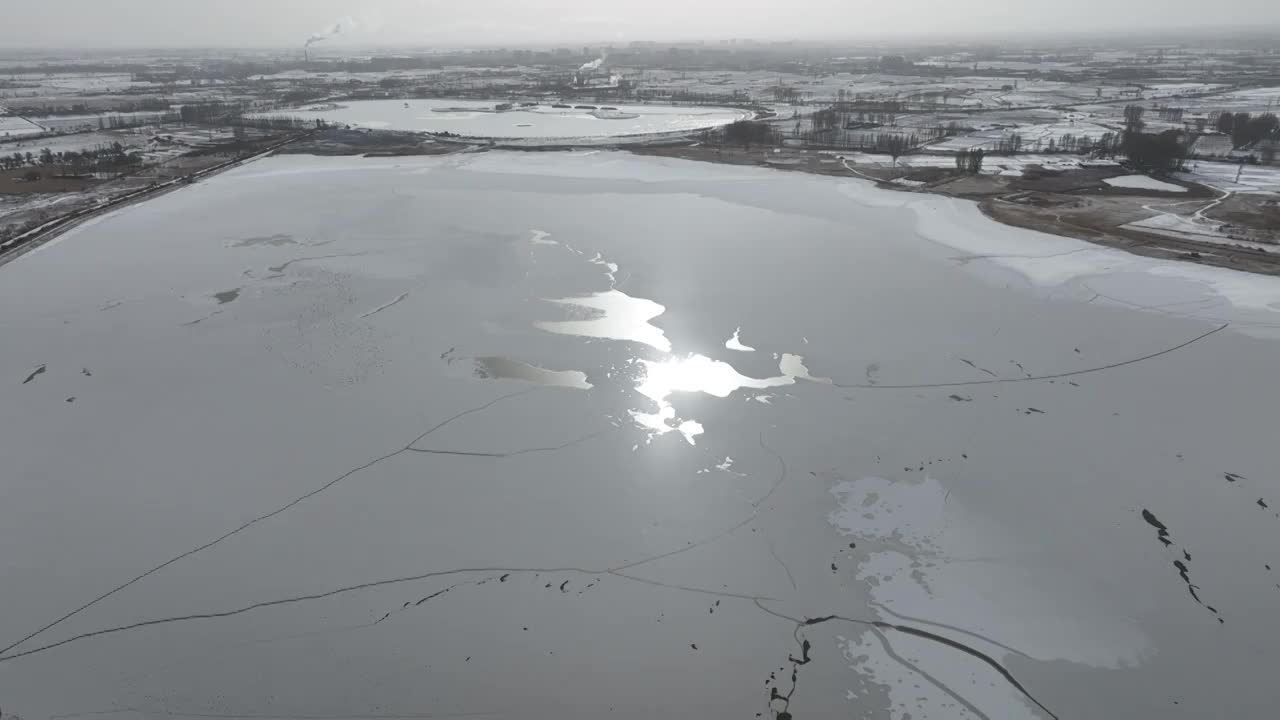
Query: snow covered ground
{"x": 1202, "y": 230}
{"x": 1256, "y": 100}
{"x": 1034, "y": 137}
{"x": 76, "y": 142}
{"x": 40, "y": 83}
{"x": 1143, "y": 182}
{"x": 991, "y": 165}
{"x": 1169, "y": 89}
{"x": 67, "y": 123}
{"x": 1214, "y": 145}
{"x": 1235, "y": 177}
{"x": 11, "y": 126}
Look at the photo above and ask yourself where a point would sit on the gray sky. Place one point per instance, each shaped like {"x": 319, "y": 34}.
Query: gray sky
{"x": 120, "y": 23}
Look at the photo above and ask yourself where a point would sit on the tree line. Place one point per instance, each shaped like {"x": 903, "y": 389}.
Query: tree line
{"x": 119, "y": 106}
{"x": 1245, "y": 129}
{"x": 104, "y": 157}
{"x": 745, "y": 133}
{"x": 736, "y": 97}
{"x": 970, "y": 161}
{"x": 1155, "y": 152}
{"x": 842, "y": 115}
{"x": 279, "y": 122}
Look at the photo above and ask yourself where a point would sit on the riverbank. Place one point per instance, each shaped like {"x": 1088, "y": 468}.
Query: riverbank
{"x": 1077, "y": 203}
{"x": 27, "y": 241}
{"x": 1073, "y": 203}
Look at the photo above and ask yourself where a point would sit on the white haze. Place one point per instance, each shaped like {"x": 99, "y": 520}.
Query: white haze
{"x": 283, "y": 23}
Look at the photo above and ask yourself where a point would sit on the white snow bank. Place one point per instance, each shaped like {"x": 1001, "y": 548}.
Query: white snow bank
{"x": 1142, "y": 182}
{"x": 1053, "y": 260}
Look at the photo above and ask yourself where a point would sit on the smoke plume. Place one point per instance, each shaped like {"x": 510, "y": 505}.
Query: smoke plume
{"x": 344, "y": 24}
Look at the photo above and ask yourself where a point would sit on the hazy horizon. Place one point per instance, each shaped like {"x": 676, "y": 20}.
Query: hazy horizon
{"x": 82, "y": 24}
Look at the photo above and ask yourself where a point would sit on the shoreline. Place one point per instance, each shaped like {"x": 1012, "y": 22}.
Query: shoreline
{"x": 994, "y": 200}
{"x": 36, "y": 237}
{"x": 995, "y": 203}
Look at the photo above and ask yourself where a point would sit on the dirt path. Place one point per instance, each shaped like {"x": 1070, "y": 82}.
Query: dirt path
{"x": 856, "y": 172}
{"x": 1199, "y": 214}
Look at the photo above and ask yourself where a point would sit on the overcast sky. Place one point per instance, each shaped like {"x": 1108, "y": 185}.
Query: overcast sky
{"x": 124, "y": 23}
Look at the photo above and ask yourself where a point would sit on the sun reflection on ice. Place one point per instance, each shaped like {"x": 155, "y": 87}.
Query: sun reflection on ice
{"x": 699, "y": 373}
{"x": 616, "y": 315}
{"x": 695, "y": 373}
{"x": 735, "y": 342}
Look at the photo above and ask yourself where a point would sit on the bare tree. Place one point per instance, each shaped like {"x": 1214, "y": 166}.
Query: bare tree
{"x": 970, "y": 161}
{"x": 1133, "y": 117}
{"x": 975, "y": 161}
{"x": 896, "y": 145}
{"x": 1224, "y": 122}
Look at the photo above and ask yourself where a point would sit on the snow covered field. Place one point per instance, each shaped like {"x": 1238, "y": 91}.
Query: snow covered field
{"x": 11, "y": 126}
{"x": 1034, "y": 137}
{"x": 76, "y": 142}
{"x": 1235, "y": 177}
{"x": 1254, "y": 100}
{"x": 991, "y": 165}
{"x": 1143, "y": 182}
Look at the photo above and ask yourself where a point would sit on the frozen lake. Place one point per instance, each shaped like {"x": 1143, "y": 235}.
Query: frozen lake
{"x": 477, "y": 119}
{"x": 592, "y": 434}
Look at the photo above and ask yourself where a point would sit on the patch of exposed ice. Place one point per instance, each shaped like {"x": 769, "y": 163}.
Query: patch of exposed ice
{"x": 911, "y": 695}
{"x": 540, "y": 238}
{"x": 930, "y": 557}
{"x": 610, "y": 266}
{"x": 792, "y": 365}
{"x": 501, "y": 368}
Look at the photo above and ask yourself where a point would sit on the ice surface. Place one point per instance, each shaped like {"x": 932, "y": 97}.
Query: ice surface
{"x": 478, "y": 119}
{"x": 419, "y": 473}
